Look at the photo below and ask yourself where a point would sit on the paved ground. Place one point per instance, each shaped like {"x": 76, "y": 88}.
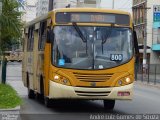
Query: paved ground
{"x": 146, "y": 101}
{"x": 14, "y": 77}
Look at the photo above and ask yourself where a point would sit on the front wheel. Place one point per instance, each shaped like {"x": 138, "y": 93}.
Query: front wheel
{"x": 47, "y": 102}
{"x": 109, "y": 104}
{"x": 31, "y": 94}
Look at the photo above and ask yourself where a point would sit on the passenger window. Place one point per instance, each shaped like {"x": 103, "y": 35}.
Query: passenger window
{"x": 30, "y": 42}
{"x": 42, "y": 35}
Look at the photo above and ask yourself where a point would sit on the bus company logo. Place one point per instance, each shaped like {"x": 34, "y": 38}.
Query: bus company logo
{"x": 93, "y": 84}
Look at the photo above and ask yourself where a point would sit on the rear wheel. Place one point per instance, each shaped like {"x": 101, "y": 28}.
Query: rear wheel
{"x": 47, "y": 102}
{"x": 109, "y": 104}
{"x": 31, "y": 94}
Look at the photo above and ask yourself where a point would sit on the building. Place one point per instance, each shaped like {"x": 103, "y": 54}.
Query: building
{"x": 88, "y": 3}
{"x": 29, "y": 10}
{"x": 143, "y": 16}
{"x": 54, "y": 4}
{"x": 42, "y": 7}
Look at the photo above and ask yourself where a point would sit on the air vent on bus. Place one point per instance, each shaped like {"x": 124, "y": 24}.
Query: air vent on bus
{"x": 92, "y": 93}
{"x": 93, "y": 77}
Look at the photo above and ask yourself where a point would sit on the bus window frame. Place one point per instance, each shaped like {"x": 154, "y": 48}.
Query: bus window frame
{"x": 30, "y": 39}
{"x": 133, "y": 46}
{"x": 42, "y": 29}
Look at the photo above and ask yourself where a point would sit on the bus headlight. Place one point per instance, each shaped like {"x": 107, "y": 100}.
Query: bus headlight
{"x": 56, "y": 77}
{"x": 124, "y": 81}
{"x": 128, "y": 80}
{"x": 65, "y": 81}
{"x": 120, "y": 82}
{"x": 61, "y": 80}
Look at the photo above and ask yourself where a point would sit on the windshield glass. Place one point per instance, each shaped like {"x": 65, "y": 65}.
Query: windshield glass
{"x": 100, "y": 48}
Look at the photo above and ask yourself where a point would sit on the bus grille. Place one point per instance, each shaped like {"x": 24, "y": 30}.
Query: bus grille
{"x": 92, "y": 94}
{"x": 93, "y": 77}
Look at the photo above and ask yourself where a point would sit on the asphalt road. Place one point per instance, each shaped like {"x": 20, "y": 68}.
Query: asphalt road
{"x": 146, "y": 101}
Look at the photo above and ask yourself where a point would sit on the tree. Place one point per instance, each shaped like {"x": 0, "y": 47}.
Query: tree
{"x": 11, "y": 25}
{"x": 11, "y": 28}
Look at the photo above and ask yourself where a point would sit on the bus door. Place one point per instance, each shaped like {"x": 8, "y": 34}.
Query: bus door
{"x": 40, "y": 56}
{"x": 35, "y": 56}
{"x": 24, "y": 59}
{"x": 30, "y": 58}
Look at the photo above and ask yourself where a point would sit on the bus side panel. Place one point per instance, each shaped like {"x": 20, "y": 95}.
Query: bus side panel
{"x": 47, "y": 61}
{"x": 24, "y": 69}
{"x": 39, "y": 69}
{"x": 30, "y": 59}
{"x": 35, "y": 55}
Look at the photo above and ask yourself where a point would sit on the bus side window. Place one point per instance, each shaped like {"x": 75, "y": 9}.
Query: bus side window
{"x": 30, "y": 39}
{"x": 25, "y": 39}
{"x": 42, "y": 35}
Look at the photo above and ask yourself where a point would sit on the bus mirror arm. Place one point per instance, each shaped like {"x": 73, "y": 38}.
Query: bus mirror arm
{"x": 50, "y": 36}
{"x": 136, "y": 45}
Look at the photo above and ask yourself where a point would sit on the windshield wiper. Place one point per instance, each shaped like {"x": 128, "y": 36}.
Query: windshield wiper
{"x": 105, "y": 38}
{"x": 79, "y": 32}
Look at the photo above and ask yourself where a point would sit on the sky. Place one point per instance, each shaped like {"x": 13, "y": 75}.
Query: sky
{"x": 125, "y": 5}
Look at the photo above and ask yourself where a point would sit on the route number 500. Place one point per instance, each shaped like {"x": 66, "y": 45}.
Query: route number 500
{"x": 116, "y": 57}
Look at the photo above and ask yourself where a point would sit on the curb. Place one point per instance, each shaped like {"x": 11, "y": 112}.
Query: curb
{"x": 11, "y": 109}
{"x": 10, "y": 114}
{"x": 147, "y": 84}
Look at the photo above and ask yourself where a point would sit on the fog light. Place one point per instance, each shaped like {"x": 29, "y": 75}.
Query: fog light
{"x": 128, "y": 80}
{"x": 56, "y": 77}
{"x": 120, "y": 82}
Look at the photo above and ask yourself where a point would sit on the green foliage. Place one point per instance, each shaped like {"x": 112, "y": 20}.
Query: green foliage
{"x": 11, "y": 25}
{"x": 8, "y": 97}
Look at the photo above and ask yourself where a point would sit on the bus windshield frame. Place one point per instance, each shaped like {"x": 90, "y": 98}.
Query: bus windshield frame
{"x": 93, "y": 52}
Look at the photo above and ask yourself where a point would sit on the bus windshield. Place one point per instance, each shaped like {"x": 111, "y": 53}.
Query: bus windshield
{"x": 104, "y": 47}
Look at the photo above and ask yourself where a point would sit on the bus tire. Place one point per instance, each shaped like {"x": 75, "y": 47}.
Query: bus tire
{"x": 27, "y": 80}
{"x": 40, "y": 97}
{"x": 47, "y": 102}
{"x": 31, "y": 94}
{"x": 109, "y": 104}
{"x": 41, "y": 85}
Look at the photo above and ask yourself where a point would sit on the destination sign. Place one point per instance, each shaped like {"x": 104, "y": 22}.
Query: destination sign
{"x": 68, "y": 17}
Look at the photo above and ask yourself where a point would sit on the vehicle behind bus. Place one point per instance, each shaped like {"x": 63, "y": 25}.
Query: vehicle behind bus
{"x": 15, "y": 56}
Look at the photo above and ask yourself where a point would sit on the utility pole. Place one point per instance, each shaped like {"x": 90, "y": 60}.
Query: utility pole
{"x": 50, "y": 7}
{"x": 145, "y": 40}
{"x": 145, "y": 8}
{"x": 0, "y": 23}
{"x": 112, "y": 4}
{"x": 0, "y": 42}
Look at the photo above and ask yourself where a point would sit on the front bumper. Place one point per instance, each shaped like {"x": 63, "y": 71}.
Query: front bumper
{"x": 59, "y": 91}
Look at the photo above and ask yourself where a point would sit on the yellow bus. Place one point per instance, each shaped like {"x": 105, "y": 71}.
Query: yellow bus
{"x": 80, "y": 53}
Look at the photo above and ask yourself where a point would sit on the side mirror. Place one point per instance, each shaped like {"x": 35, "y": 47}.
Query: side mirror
{"x": 50, "y": 35}
{"x": 136, "y": 45}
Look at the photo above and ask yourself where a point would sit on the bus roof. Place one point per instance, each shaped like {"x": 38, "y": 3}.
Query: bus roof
{"x": 98, "y": 10}
{"x": 91, "y": 10}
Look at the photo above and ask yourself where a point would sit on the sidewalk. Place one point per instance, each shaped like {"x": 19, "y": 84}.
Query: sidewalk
{"x": 14, "y": 78}
{"x": 150, "y": 84}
